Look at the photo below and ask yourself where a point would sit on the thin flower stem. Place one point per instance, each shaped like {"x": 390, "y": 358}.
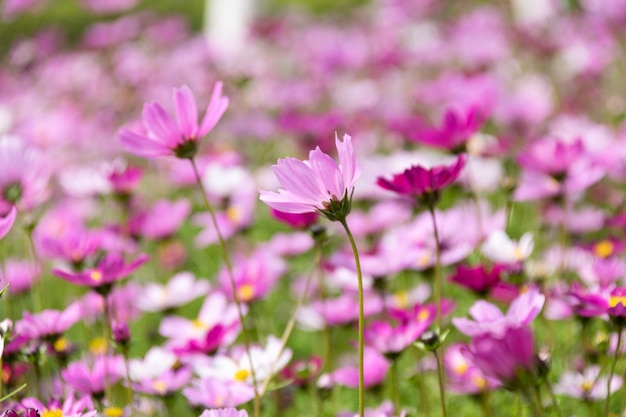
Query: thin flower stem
{"x": 361, "y": 323}
{"x": 509, "y": 215}
{"x": 292, "y": 320}
{"x": 229, "y": 268}
{"x": 131, "y": 394}
{"x": 106, "y": 331}
{"x": 438, "y": 283}
{"x": 538, "y": 399}
{"x": 328, "y": 349}
{"x": 395, "y": 386}
{"x": 485, "y": 402}
{"x": 555, "y": 402}
{"x": 612, "y": 371}
{"x": 442, "y": 391}
{"x": 37, "y": 291}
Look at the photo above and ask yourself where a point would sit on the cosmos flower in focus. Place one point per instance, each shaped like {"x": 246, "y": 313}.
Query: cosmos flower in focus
{"x": 179, "y": 137}
{"x": 318, "y": 184}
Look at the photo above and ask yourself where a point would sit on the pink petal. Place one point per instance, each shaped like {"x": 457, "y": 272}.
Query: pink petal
{"x": 7, "y": 221}
{"x": 215, "y": 110}
{"x": 158, "y": 122}
{"x": 186, "y": 111}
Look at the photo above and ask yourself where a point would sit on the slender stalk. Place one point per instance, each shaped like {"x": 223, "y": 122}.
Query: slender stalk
{"x": 442, "y": 391}
{"x": 538, "y": 399}
{"x": 555, "y": 403}
{"x": 37, "y": 289}
{"x": 438, "y": 283}
{"x": 106, "y": 334}
{"x": 509, "y": 215}
{"x": 612, "y": 371}
{"x": 131, "y": 394}
{"x": 485, "y": 403}
{"x": 229, "y": 268}
{"x": 361, "y": 323}
{"x": 292, "y": 320}
{"x": 328, "y": 348}
{"x": 395, "y": 386}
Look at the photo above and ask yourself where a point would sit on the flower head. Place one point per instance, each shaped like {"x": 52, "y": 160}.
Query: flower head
{"x": 424, "y": 184}
{"x": 316, "y": 185}
{"x": 179, "y": 136}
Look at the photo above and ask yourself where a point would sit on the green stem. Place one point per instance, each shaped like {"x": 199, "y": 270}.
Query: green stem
{"x": 438, "y": 283}
{"x": 509, "y": 215}
{"x": 37, "y": 290}
{"x": 612, "y": 371}
{"x": 442, "y": 391}
{"x": 538, "y": 400}
{"x": 395, "y": 386}
{"x": 106, "y": 332}
{"x": 485, "y": 403}
{"x": 361, "y": 320}
{"x": 555, "y": 402}
{"x": 229, "y": 268}
{"x": 292, "y": 320}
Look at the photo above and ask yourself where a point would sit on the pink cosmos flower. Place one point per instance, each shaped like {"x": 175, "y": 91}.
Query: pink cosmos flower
{"x": 462, "y": 376}
{"x": 225, "y": 412}
{"x": 375, "y": 365}
{"x": 48, "y": 323}
{"x": 71, "y": 407}
{"x": 393, "y": 340}
{"x": 6, "y": 221}
{"x": 253, "y": 276}
{"x": 165, "y": 384}
{"x": 110, "y": 269}
{"x": 91, "y": 380}
{"x": 509, "y": 358}
{"x": 423, "y": 184}
{"x": 162, "y": 220}
{"x": 179, "y": 137}
{"x": 490, "y": 320}
{"x": 21, "y": 275}
{"x": 212, "y": 392}
{"x": 456, "y": 130}
{"x": 318, "y": 184}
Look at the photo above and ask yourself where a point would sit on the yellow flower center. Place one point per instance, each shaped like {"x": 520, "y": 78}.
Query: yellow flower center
{"x": 242, "y": 375}
{"x": 461, "y": 367}
{"x": 218, "y": 401}
{"x": 614, "y": 300}
{"x": 519, "y": 255}
{"x": 198, "y": 324}
{"x": 424, "y": 260}
{"x": 159, "y": 386}
{"x": 95, "y": 275}
{"x": 479, "y": 382}
{"x": 60, "y": 345}
{"x": 52, "y": 413}
{"x": 246, "y": 292}
{"x": 233, "y": 214}
{"x": 587, "y": 386}
{"x": 113, "y": 412}
{"x": 98, "y": 346}
{"x": 402, "y": 299}
{"x": 423, "y": 315}
{"x": 604, "y": 248}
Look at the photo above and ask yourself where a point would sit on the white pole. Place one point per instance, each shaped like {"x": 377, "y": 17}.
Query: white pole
{"x": 226, "y": 24}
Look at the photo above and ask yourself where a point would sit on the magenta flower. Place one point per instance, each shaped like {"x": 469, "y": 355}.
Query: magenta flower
{"x": 477, "y": 278}
{"x": 110, "y": 269}
{"x": 6, "y": 221}
{"x": 71, "y": 407}
{"x": 179, "y": 137}
{"x": 295, "y": 220}
{"x": 316, "y": 185}
{"x": 457, "y": 128}
{"x": 509, "y": 359}
{"x": 21, "y": 275}
{"x": 162, "y": 220}
{"x": 462, "y": 376}
{"x": 424, "y": 184}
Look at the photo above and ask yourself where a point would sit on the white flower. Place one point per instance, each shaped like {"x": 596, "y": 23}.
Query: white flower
{"x": 156, "y": 362}
{"x": 181, "y": 289}
{"x": 502, "y": 249}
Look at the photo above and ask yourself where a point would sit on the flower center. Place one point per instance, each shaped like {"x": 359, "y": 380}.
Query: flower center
{"x": 199, "y": 324}
{"x": 587, "y": 386}
{"x": 402, "y": 299}
{"x": 233, "y": 214}
{"x": 604, "y": 249}
{"x": 615, "y": 300}
{"x": 246, "y": 292}
{"x": 95, "y": 275}
{"x": 60, "y": 345}
{"x": 242, "y": 374}
{"x": 187, "y": 149}
{"x": 479, "y": 382}
{"x": 98, "y": 346}
{"x": 460, "y": 368}
{"x": 159, "y": 386}
{"x": 423, "y": 315}
{"x": 13, "y": 193}
{"x": 52, "y": 413}
{"x": 113, "y": 412}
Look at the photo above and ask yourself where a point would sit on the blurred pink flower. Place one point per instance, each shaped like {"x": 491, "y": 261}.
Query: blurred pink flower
{"x": 6, "y": 221}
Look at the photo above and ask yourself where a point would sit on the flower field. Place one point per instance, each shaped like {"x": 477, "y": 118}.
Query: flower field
{"x": 383, "y": 208}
